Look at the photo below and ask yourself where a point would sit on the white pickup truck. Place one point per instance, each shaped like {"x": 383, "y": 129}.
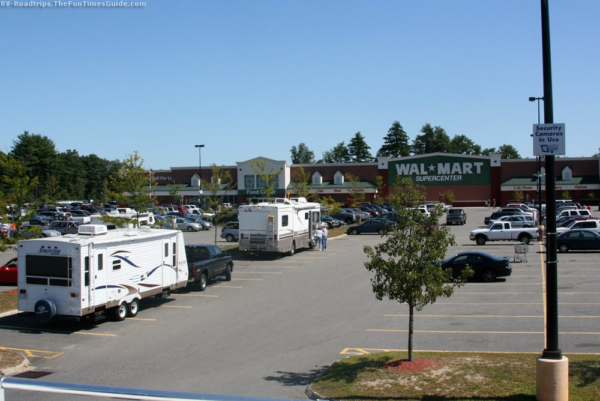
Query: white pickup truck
{"x": 503, "y": 231}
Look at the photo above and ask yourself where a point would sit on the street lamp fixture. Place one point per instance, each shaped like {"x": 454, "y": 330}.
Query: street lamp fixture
{"x": 200, "y": 170}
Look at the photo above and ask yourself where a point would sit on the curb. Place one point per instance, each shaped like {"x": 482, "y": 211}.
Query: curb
{"x": 23, "y": 366}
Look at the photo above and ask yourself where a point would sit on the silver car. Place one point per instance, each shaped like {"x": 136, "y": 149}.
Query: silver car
{"x": 517, "y": 220}
{"x": 206, "y": 225}
{"x": 186, "y": 225}
{"x": 231, "y": 231}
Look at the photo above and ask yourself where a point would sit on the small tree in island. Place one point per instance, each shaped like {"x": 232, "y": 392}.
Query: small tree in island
{"x": 406, "y": 265}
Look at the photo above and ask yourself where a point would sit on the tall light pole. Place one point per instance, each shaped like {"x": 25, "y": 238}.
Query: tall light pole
{"x": 539, "y": 160}
{"x": 200, "y": 170}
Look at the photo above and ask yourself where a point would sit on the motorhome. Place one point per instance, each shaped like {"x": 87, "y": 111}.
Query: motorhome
{"x": 99, "y": 271}
{"x": 281, "y": 226}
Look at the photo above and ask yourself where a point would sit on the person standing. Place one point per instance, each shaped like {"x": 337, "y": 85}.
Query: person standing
{"x": 319, "y": 237}
{"x": 324, "y": 237}
{"x": 494, "y": 203}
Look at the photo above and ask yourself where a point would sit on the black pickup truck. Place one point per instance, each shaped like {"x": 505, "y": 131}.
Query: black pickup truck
{"x": 206, "y": 262}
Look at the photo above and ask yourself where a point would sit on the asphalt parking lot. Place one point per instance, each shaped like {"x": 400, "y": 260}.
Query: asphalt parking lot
{"x": 281, "y": 321}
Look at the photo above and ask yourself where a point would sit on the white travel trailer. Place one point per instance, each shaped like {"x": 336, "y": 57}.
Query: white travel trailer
{"x": 97, "y": 270}
{"x": 284, "y": 225}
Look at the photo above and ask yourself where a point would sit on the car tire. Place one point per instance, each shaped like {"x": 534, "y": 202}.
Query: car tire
{"x": 133, "y": 308}
{"x": 354, "y": 232}
{"x": 190, "y": 229}
{"x": 564, "y": 248}
{"x": 489, "y": 275}
{"x": 229, "y": 237}
{"x": 202, "y": 282}
{"x": 480, "y": 240}
{"x": 228, "y": 273}
{"x": 381, "y": 231}
{"x": 526, "y": 239}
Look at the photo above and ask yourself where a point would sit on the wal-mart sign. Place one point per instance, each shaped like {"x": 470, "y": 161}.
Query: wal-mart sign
{"x": 548, "y": 139}
{"x": 441, "y": 170}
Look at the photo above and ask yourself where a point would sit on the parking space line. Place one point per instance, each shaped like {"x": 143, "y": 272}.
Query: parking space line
{"x": 33, "y": 353}
{"x": 141, "y": 319}
{"x": 578, "y": 333}
{"x": 228, "y": 286}
{"x": 248, "y": 279}
{"x": 94, "y": 334}
{"x": 199, "y": 295}
{"x": 499, "y": 316}
{"x": 258, "y": 272}
{"x": 176, "y": 306}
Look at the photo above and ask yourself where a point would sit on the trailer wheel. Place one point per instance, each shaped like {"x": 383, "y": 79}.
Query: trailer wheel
{"x": 118, "y": 313}
{"x": 133, "y": 308}
{"x": 293, "y": 249}
{"x": 228, "y": 273}
{"x": 202, "y": 282}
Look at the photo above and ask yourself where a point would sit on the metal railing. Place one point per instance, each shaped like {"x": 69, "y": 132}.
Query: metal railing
{"x": 14, "y": 383}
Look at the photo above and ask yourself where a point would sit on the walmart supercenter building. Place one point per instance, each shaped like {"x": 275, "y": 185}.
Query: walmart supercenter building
{"x": 473, "y": 179}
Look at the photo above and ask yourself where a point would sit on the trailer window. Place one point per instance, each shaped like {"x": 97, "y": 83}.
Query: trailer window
{"x": 116, "y": 264}
{"x": 49, "y": 270}
{"x": 284, "y": 221}
{"x": 86, "y": 271}
{"x": 174, "y": 254}
{"x": 166, "y": 250}
{"x": 100, "y": 262}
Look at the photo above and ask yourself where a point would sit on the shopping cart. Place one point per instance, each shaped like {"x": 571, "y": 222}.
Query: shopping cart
{"x": 520, "y": 252}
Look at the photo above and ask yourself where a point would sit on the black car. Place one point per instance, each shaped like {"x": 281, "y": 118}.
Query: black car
{"x": 485, "y": 266}
{"x": 374, "y": 226}
{"x": 578, "y": 240}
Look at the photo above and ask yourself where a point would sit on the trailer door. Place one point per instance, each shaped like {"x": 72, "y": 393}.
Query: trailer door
{"x": 98, "y": 268}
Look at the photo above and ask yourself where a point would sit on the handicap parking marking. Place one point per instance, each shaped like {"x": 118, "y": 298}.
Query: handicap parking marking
{"x": 33, "y": 353}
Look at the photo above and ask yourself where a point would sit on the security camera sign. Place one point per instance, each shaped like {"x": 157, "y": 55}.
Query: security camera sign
{"x": 548, "y": 139}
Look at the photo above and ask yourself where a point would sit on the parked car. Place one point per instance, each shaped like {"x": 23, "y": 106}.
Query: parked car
{"x": 517, "y": 220}
{"x": 346, "y": 216}
{"x": 373, "y": 226}
{"x": 231, "y": 231}
{"x": 456, "y": 216}
{"x": 65, "y": 227}
{"x": 578, "y": 240}
{"x": 485, "y": 266}
{"x": 186, "y": 225}
{"x": 497, "y": 215}
{"x": 8, "y": 272}
{"x": 206, "y": 225}
{"x": 331, "y": 222}
{"x": 588, "y": 224}
{"x": 206, "y": 262}
{"x": 27, "y": 232}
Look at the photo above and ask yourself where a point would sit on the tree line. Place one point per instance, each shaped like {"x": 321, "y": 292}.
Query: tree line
{"x": 397, "y": 144}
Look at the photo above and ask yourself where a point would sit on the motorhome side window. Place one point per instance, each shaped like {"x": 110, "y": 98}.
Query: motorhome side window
{"x": 284, "y": 221}
{"x": 49, "y": 270}
{"x": 116, "y": 264}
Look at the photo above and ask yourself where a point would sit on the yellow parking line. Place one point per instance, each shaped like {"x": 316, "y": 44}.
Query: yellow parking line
{"x": 248, "y": 279}
{"x": 495, "y": 316}
{"x": 258, "y": 273}
{"x": 94, "y": 334}
{"x": 581, "y": 333}
{"x": 228, "y": 286}
{"x": 33, "y": 353}
{"x": 199, "y": 295}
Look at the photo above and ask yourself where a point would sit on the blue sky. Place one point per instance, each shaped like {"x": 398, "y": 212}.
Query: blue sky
{"x": 250, "y": 78}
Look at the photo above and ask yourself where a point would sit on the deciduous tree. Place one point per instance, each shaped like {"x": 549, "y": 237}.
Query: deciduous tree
{"x": 405, "y": 266}
{"x": 302, "y": 155}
